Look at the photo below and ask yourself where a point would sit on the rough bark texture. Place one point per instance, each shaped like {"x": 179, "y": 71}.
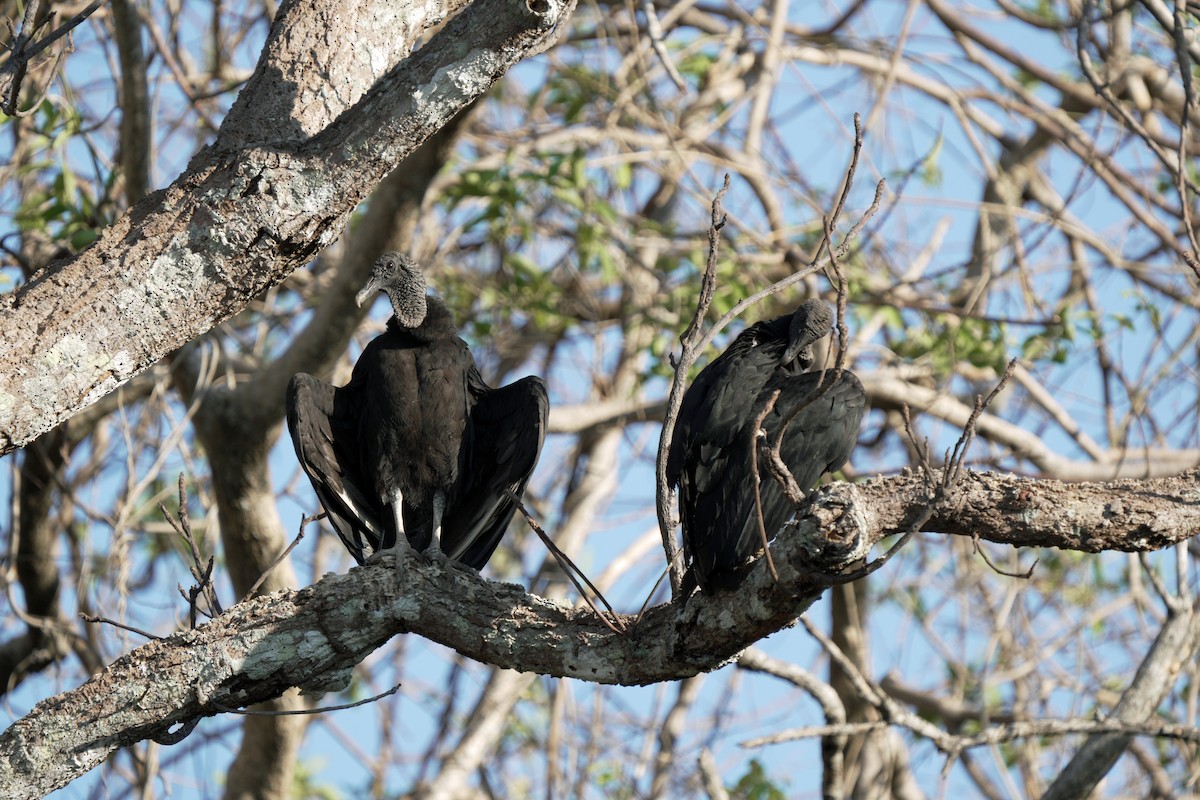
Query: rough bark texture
{"x": 1127, "y": 515}
{"x": 236, "y": 223}
{"x": 314, "y": 636}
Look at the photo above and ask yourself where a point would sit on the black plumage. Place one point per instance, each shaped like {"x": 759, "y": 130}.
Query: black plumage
{"x": 416, "y": 441}
{"x": 710, "y": 455}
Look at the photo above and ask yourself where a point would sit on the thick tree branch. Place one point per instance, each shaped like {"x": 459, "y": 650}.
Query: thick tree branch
{"x": 1125, "y": 515}
{"x": 235, "y": 224}
{"x": 305, "y": 638}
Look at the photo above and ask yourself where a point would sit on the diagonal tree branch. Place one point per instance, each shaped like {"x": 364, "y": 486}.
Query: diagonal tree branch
{"x": 236, "y": 223}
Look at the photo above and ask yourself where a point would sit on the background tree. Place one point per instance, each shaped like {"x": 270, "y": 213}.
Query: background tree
{"x": 160, "y": 190}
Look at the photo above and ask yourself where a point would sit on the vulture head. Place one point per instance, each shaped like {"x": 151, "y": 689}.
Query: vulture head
{"x": 811, "y": 321}
{"x": 399, "y": 277}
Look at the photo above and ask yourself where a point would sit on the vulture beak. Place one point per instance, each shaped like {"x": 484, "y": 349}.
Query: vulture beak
{"x": 367, "y": 291}
{"x": 799, "y": 348}
{"x": 810, "y": 322}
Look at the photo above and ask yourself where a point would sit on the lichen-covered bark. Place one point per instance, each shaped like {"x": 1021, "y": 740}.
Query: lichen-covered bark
{"x": 1126, "y": 515}
{"x": 261, "y": 648}
{"x": 236, "y": 223}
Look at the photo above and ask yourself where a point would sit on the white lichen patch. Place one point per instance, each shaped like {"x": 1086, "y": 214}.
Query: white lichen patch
{"x": 313, "y": 646}
{"x": 8, "y": 404}
{"x": 177, "y": 274}
{"x": 379, "y": 58}
{"x": 406, "y": 608}
{"x": 587, "y": 664}
{"x": 473, "y": 77}
{"x": 130, "y": 303}
{"x": 73, "y": 366}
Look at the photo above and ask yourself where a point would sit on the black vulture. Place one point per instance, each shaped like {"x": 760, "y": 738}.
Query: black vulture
{"x": 416, "y": 442}
{"x": 709, "y": 458}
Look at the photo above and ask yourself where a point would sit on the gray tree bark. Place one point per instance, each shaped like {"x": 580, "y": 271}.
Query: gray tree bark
{"x": 288, "y": 168}
{"x": 313, "y": 637}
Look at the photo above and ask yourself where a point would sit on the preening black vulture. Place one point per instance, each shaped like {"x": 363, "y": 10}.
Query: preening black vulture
{"x": 710, "y": 453}
{"x": 416, "y": 442}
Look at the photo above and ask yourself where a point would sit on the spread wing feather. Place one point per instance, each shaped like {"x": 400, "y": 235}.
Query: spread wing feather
{"x": 323, "y": 423}
{"x": 508, "y": 427}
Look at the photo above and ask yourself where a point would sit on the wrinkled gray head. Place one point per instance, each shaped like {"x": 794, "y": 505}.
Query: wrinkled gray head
{"x": 810, "y": 322}
{"x": 399, "y": 277}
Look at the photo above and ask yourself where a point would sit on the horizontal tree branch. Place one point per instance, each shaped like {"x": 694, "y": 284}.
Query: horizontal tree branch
{"x": 313, "y": 637}
{"x": 887, "y": 391}
{"x": 1125, "y": 515}
{"x": 994, "y": 734}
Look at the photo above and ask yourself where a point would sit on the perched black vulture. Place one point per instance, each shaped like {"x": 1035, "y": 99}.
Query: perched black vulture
{"x": 416, "y": 442}
{"x": 710, "y": 453}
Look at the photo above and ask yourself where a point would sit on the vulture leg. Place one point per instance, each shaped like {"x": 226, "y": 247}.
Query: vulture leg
{"x": 397, "y": 506}
{"x": 439, "y": 509}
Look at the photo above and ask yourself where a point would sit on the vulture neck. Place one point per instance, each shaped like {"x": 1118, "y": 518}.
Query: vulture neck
{"x": 438, "y": 322}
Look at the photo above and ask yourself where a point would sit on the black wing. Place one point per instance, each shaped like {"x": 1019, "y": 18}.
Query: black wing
{"x": 701, "y": 460}
{"x": 323, "y": 423}
{"x": 723, "y": 520}
{"x": 508, "y": 426}
{"x": 715, "y": 405}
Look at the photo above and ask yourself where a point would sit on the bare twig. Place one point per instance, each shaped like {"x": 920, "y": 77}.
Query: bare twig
{"x": 1189, "y": 258}
{"x": 714, "y": 787}
{"x": 202, "y": 573}
{"x": 776, "y": 465}
{"x": 650, "y": 596}
{"x": 693, "y": 343}
{"x": 98, "y": 620}
{"x": 777, "y": 469}
{"x": 616, "y": 624}
{"x": 795, "y": 277}
{"x": 1026, "y": 575}
{"x": 25, "y": 49}
{"x": 958, "y": 455}
{"x": 849, "y": 180}
{"x": 286, "y": 552}
{"x": 654, "y": 28}
{"x": 303, "y": 711}
{"x": 832, "y": 747}
{"x": 996, "y": 734}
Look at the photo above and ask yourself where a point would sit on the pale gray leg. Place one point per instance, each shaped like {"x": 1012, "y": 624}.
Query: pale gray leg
{"x": 397, "y": 505}
{"x": 439, "y": 508}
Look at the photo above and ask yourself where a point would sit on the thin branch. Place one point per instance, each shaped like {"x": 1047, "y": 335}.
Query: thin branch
{"x": 1025, "y": 575}
{"x": 246, "y": 712}
{"x": 714, "y": 786}
{"x": 616, "y": 625}
{"x": 778, "y": 470}
{"x": 98, "y": 620}
{"x": 654, "y": 28}
{"x": 993, "y": 735}
{"x": 284, "y": 554}
{"x": 201, "y": 572}
{"x": 832, "y": 747}
{"x": 693, "y": 343}
{"x": 24, "y": 50}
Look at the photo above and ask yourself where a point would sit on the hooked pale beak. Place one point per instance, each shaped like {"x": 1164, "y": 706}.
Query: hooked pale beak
{"x": 366, "y": 292}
